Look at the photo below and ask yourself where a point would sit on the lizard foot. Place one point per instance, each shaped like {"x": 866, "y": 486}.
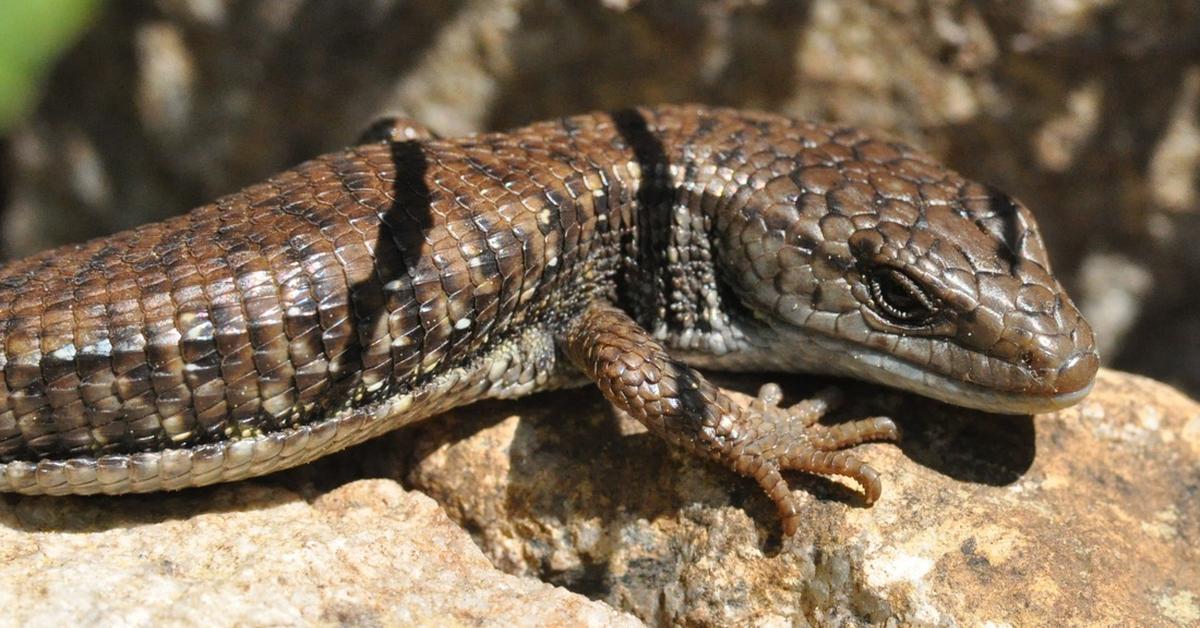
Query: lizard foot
{"x": 779, "y": 439}
{"x": 759, "y": 440}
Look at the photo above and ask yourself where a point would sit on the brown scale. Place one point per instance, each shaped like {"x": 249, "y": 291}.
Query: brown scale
{"x": 373, "y": 287}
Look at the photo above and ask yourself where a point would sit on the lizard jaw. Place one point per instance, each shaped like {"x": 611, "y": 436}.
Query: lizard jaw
{"x": 759, "y": 350}
{"x": 897, "y": 373}
{"x": 889, "y": 370}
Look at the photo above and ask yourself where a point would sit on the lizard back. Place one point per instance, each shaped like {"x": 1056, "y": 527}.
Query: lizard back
{"x": 372, "y": 287}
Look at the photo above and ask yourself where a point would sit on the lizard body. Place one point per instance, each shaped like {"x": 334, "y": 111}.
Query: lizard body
{"x": 370, "y": 288}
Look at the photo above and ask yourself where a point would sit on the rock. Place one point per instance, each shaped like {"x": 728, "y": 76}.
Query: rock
{"x": 1086, "y": 110}
{"x": 1084, "y": 516}
{"x": 367, "y": 553}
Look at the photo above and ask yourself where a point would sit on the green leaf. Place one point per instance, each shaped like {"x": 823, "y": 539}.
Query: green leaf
{"x": 32, "y": 34}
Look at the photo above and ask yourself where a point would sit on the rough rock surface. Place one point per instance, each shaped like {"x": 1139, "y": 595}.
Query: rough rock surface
{"x": 1088, "y": 516}
{"x": 1083, "y": 517}
{"x": 1089, "y": 110}
{"x": 365, "y": 554}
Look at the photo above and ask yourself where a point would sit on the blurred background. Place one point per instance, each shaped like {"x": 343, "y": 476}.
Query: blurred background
{"x": 115, "y": 114}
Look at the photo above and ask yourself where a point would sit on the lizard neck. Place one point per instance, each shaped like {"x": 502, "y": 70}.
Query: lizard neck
{"x": 669, "y": 280}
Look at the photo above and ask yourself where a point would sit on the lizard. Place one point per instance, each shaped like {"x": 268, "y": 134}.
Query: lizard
{"x": 373, "y": 287}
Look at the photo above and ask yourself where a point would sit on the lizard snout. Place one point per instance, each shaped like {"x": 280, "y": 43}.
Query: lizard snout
{"x": 1076, "y": 373}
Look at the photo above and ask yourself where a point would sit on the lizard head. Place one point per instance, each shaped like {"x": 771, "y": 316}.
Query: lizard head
{"x": 871, "y": 260}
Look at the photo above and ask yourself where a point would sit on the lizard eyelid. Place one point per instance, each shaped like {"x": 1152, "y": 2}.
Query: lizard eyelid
{"x": 899, "y": 298}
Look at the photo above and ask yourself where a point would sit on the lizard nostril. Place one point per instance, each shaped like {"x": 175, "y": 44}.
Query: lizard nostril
{"x": 1028, "y": 359}
{"x": 1077, "y": 373}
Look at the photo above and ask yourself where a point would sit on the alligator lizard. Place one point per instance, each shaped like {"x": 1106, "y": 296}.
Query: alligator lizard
{"x": 376, "y": 286}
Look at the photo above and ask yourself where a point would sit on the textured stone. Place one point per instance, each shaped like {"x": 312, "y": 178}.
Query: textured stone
{"x": 365, "y": 554}
{"x": 1085, "y": 109}
{"x": 1085, "y": 516}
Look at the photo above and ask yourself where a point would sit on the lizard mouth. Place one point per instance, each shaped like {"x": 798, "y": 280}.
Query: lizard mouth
{"x": 1068, "y": 386}
{"x": 758, "y": 349}
{"x": 975, "y": 396}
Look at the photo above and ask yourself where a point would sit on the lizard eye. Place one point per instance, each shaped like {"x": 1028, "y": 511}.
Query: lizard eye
{"x": 899, "y": 298}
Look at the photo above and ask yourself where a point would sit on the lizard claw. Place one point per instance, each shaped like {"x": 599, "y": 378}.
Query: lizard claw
{"x": 843, "y": 435}
{"x": 810, "y": 410}
{"x": 838, "y": 463}
{"x": 770, "y": 394}
{"x": 767, "y": 474}
{"x": 792, "y": 440}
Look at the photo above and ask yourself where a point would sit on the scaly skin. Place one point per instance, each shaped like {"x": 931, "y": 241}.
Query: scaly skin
{"x": 367, "y": 289}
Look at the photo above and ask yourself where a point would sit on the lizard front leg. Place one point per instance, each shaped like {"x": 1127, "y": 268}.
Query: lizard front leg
{"x": 759, "y": 440}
